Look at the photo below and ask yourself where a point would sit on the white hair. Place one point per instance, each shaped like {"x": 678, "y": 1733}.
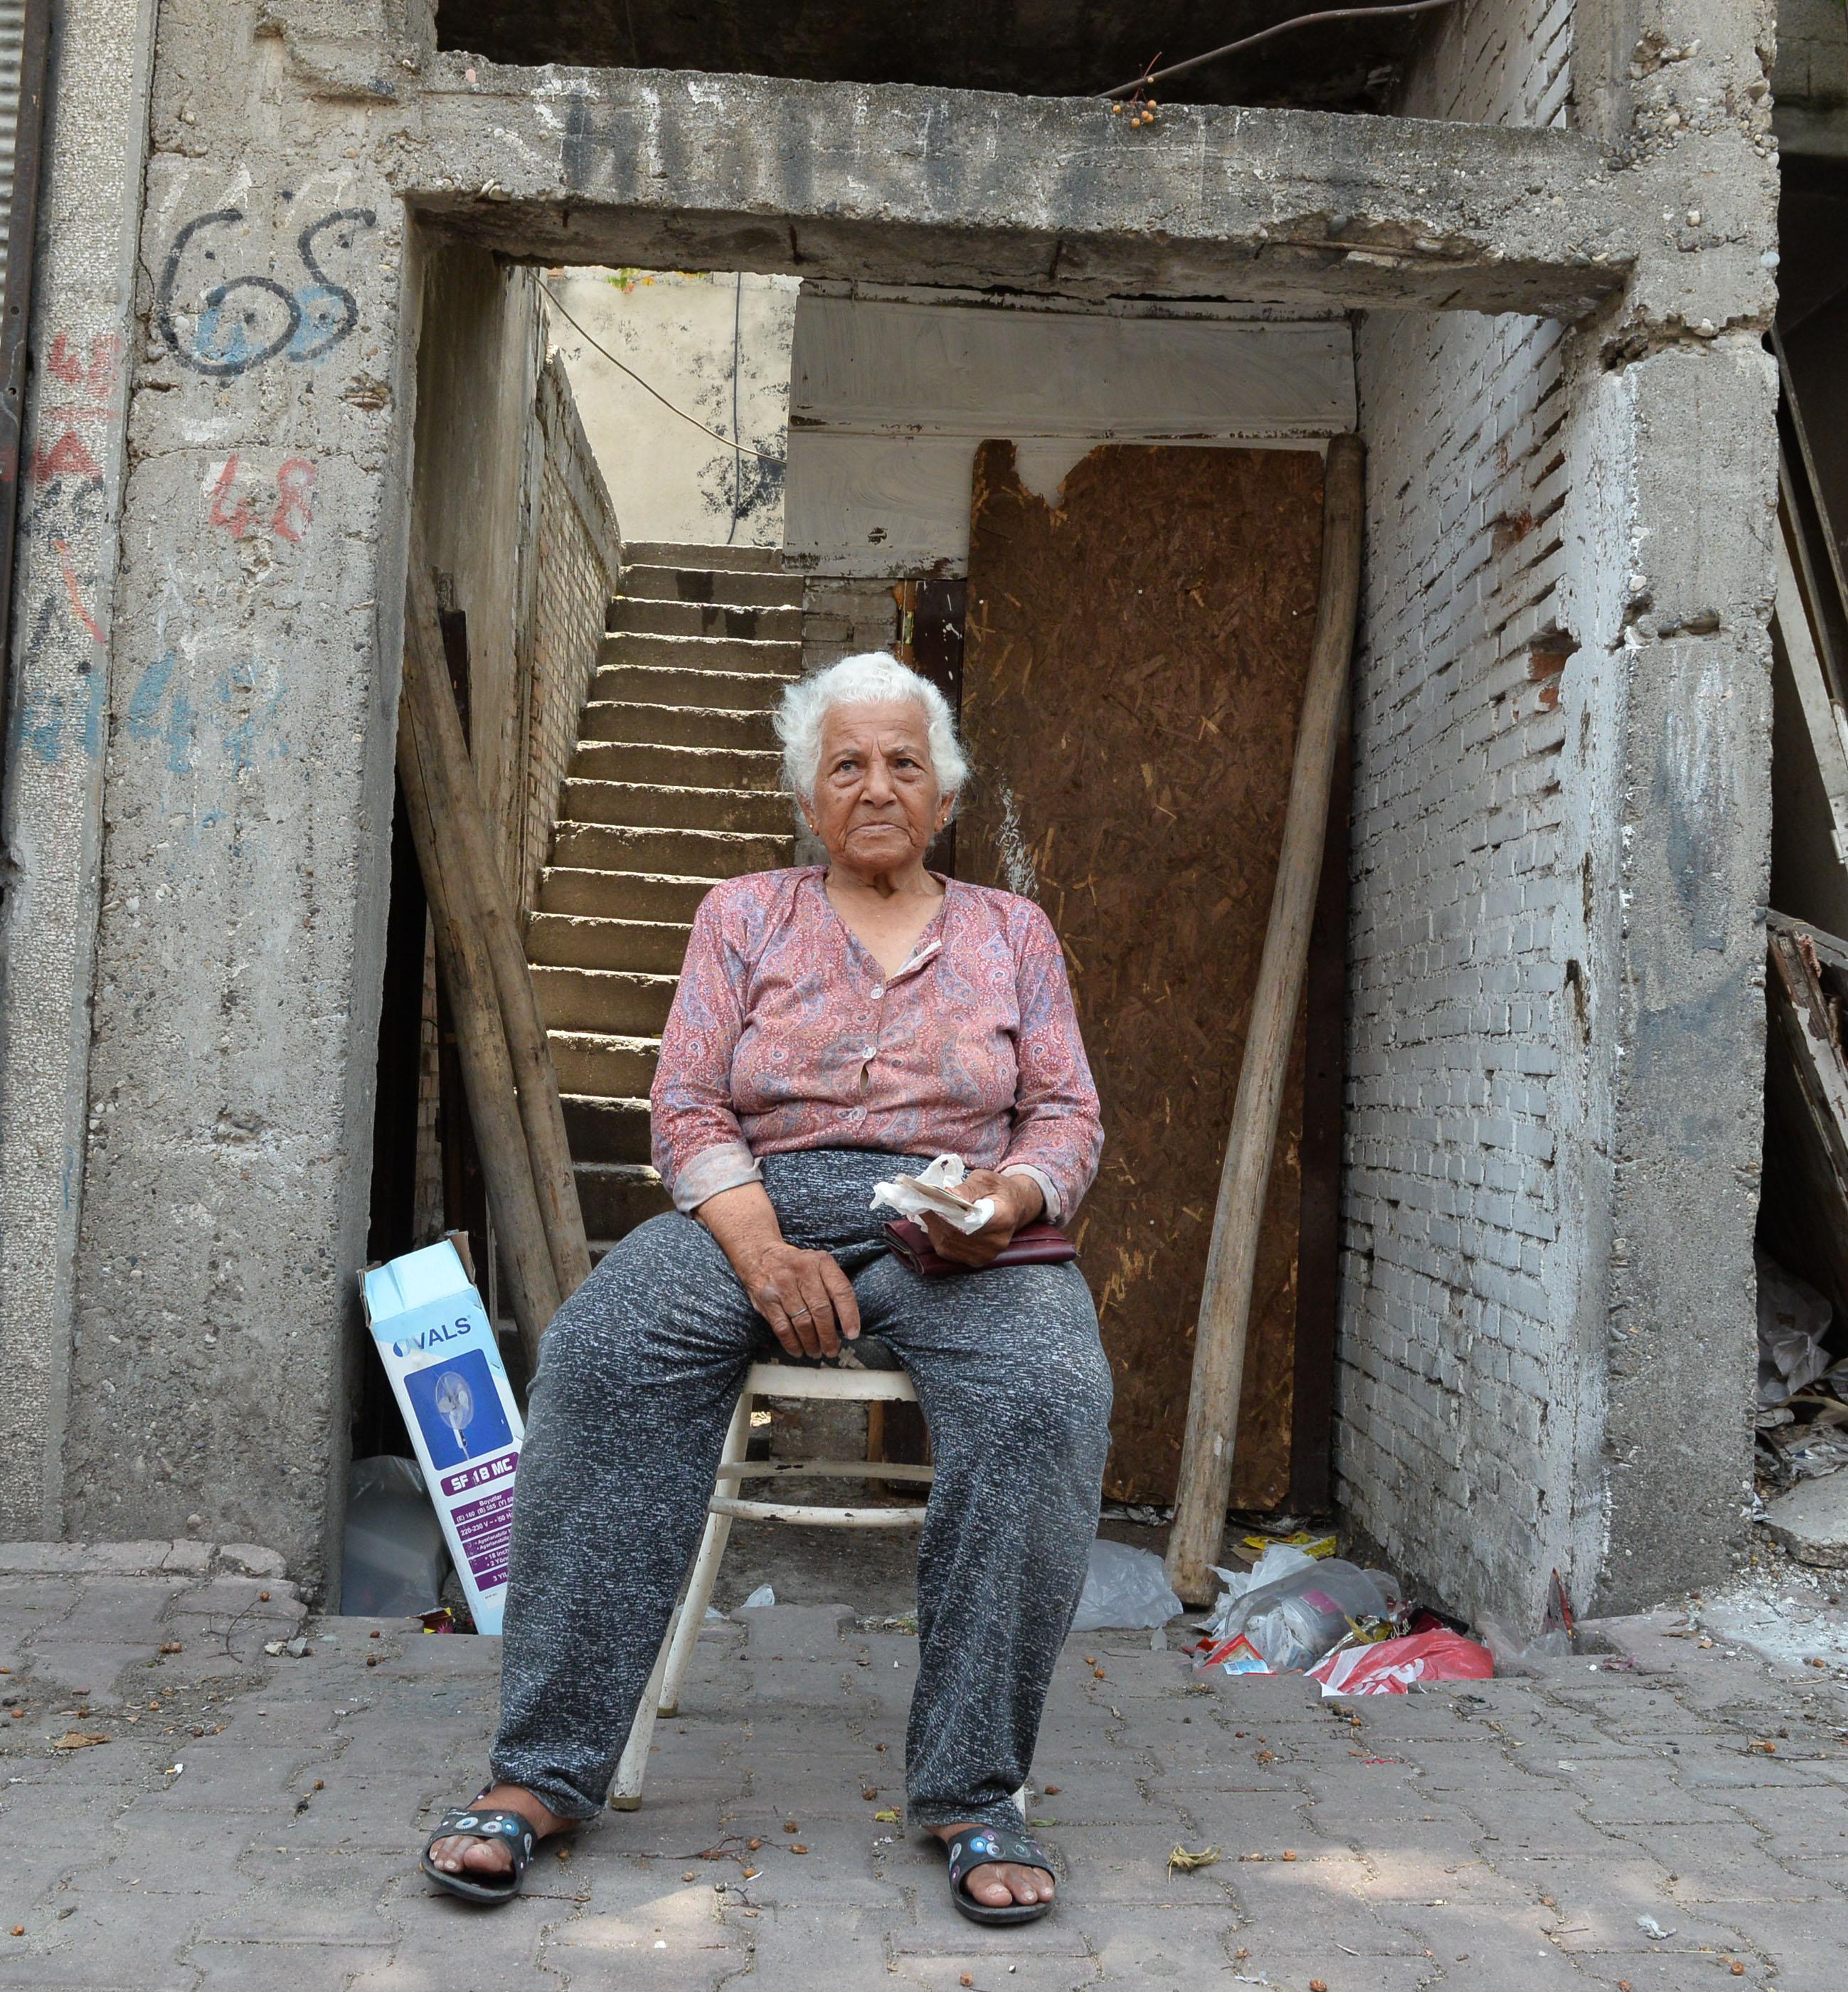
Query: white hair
{"x": 872, "y": 676}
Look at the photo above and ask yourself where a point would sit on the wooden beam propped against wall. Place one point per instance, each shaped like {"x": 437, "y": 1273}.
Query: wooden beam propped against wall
{"x": 512, "y": 1090}
{"x": 1212, "y": 1409}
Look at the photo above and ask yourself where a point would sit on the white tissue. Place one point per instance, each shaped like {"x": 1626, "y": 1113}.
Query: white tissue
{"x": 911, "y": 1196}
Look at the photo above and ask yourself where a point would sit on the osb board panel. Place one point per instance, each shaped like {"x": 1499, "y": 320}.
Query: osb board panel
{"x": 1134, "y": 668}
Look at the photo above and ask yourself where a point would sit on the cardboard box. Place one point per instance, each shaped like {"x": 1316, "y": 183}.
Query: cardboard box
{"x": 433, "y": 1336}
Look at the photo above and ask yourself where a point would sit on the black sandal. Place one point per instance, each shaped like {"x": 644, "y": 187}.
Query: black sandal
{"x": 983, "y": 1847}
{"x": 466, "y": 1823}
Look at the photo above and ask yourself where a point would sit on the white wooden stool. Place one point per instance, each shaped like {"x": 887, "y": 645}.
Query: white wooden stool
{"x": 764, "y": 1379}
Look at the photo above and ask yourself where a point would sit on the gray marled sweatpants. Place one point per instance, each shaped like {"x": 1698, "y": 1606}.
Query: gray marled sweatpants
{"x": 637, "y": 1379}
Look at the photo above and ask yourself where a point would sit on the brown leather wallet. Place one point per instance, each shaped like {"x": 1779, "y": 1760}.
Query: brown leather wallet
{"x": 1039, "y": 1244}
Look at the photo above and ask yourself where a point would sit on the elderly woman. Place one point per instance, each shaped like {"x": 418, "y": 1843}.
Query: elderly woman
{"x": 834, "y": 1025}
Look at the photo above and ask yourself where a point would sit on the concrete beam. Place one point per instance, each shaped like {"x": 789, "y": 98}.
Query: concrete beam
{"x": 673, "y": 169}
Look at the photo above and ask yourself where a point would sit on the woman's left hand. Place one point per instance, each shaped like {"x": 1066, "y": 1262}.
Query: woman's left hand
{"x": 1018, "y": 1202}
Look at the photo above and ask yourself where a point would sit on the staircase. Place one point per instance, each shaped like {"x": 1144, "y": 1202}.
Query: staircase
{"x": 674, "y": 786}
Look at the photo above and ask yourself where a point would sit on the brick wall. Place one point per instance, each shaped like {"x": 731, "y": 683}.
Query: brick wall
{"x": 576, "y": 555}
{"x": 1455, "y": 1308}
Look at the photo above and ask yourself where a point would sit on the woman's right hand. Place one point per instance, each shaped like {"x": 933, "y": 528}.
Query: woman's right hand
{"x": 805, "y": 1296}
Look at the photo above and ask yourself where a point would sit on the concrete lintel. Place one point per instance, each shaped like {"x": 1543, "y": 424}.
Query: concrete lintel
{"x": 886, "y": 183}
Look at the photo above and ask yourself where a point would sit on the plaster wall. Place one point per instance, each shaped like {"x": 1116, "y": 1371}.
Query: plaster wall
{"x": 1561, "y": 845}
{"x": 699, "y": 339}
{"x": 74, "y": 464}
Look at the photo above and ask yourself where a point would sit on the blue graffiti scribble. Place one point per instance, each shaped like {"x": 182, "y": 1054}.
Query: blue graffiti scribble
{"x": 143, "y": 720}
{"x": 49, "y": 721}
{"x": 234, "y": 684}
{"x": 324, "y": 316}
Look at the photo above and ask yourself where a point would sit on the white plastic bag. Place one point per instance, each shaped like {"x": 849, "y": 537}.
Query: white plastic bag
{"x": 394, "y": 1558}
{"x": 911, "y": 1196}
{"x": 1123, "y": 1586}
{"x": 1295, "y": 1606}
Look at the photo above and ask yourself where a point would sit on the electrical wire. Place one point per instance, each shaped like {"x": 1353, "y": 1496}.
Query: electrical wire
{"x": 1265, "y": 34}
{"x": 731, "y": 442}
{"x": 738, "y": 461}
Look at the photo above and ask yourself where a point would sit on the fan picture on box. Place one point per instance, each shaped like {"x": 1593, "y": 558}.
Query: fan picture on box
{"x": 459, "y": 1410}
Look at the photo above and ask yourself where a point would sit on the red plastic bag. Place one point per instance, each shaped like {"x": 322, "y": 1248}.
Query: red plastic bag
{"x": 1393, "y": 1666}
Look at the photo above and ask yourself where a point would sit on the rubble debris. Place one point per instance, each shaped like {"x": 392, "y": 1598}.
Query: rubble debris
{"x": 1810, "y": 1521}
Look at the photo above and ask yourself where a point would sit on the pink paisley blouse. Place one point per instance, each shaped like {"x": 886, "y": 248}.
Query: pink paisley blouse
{"x": 786, "y": 1033}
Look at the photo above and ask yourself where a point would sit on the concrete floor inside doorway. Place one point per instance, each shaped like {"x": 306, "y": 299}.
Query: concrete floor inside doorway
{"x": 183, "y": 1808}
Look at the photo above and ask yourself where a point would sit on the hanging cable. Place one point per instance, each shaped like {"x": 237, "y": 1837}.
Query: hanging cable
{"x": 738, "y": 461}
{"x": 731, "y": 442}
{"x": 1265, "y": 34}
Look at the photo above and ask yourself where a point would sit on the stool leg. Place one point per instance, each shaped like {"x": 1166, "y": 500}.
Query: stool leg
{"x": 625, "y": 1795}
{"x": 686, "y": 1631}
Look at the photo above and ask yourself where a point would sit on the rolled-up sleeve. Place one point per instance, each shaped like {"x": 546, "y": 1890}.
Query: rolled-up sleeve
{"x": 1058, "y": 1136}
{"x": 699, "y": 1147}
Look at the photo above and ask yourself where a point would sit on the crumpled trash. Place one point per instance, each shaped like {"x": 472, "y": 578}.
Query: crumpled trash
{"x": 1793, "y": 1318}
{"x": 764, "y": 1595}
{"x": 911, "y": 1196}
{"x": 1126, "y": 1587}
{"x": 1392, "y": 1667}
{"x": 1294, "y": 1607}
{"x": 297, "y": 1649}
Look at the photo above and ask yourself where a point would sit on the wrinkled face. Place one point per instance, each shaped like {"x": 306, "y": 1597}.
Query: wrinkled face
{"x": 877, "y": 804}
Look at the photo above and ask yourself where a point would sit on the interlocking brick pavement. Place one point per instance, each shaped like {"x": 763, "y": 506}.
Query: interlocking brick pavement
{"x": 253, "y": 1820}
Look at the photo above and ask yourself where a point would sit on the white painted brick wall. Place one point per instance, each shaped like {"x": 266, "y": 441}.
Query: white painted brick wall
{"x": 1449, "y": 1209}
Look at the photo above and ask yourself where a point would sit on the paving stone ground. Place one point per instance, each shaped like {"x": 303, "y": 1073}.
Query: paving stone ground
{"x": 1665, "y": 1817}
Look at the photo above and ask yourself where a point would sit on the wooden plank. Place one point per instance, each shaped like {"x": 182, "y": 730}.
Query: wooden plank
{"x": 1227, "y": 1292}
{"x": 1821, "y": 716}
{"x": 1803, "y": 1209}
{"x": 887, "y": 368}
{"x": 1134, "y": 668}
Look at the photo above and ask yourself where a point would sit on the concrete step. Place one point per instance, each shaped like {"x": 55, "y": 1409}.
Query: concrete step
{"x": 616, "y": 1197}
{"x": 620, "y": 896}
{"x": 606, "y": 1130}
{"x": 663, "y": 684}
{"x": 603, "y": 1068}
{"x": 609, "y": 1001}
{"x": 675, "y": 767}
{"x": 570, "y": 940}
{"x": 687, "y": 853}
{"x": 675, "y": 725}
{"x": 716, "y": 560}
{"x": 645, "y": 617}
{"x": 703, "y": 653}
{"x": 738, "y": 591}
{"x": 643, "y": 805}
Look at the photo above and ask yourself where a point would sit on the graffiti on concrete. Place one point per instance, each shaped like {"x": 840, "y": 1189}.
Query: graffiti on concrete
{"x": 246, "y": 321}
{"x": 61, "y": 690}
{"x": 231, "y": 509}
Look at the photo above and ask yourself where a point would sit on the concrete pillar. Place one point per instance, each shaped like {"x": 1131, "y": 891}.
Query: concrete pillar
{"x": 249, "y": 785}
{"x": 73, "y": 463}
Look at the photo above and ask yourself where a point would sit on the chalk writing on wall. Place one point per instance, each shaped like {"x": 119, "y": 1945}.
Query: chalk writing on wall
{"x": 244, "y": 322}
